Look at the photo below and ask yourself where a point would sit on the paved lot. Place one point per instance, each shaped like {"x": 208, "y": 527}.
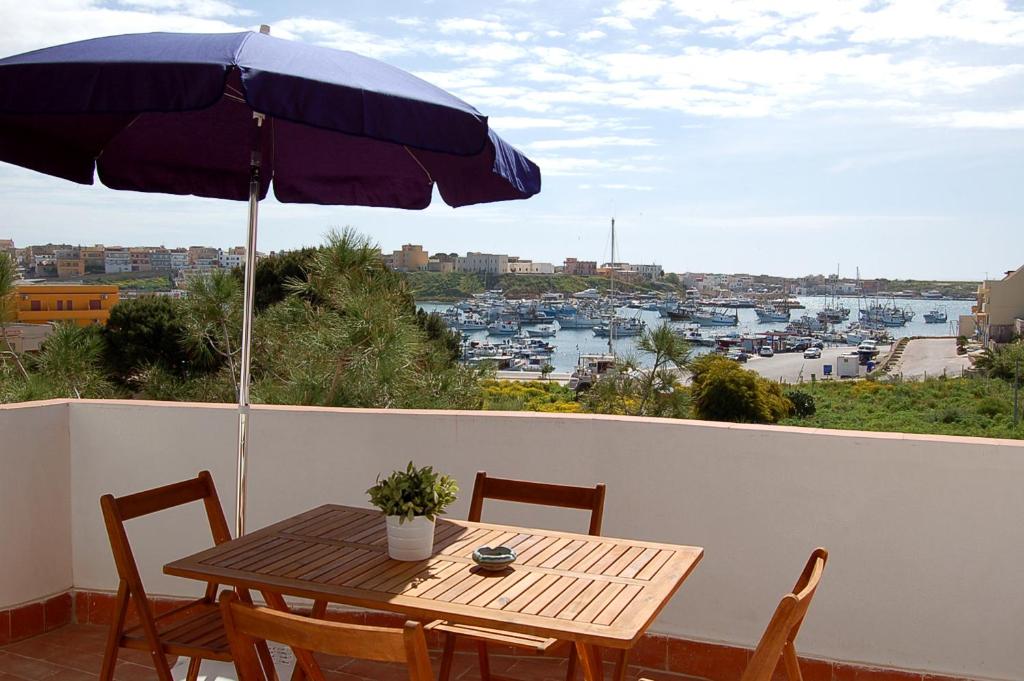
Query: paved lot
{"x": 931, "y": 357}
{"x": 790, "y": 366}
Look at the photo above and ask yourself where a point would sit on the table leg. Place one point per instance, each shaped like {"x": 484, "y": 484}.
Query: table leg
{"x": 590, "y": 661}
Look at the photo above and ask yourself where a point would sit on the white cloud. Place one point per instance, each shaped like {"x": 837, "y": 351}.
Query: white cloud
{"x": 990, "y": 120}
{"x": 587, "y": 36}
{"x": 590, "y": 143}
{"x": 339, "y": 35}
{"x": 620, "y": 23}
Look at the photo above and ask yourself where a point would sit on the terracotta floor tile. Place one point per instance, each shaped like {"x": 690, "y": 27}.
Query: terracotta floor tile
{"x": 38, "y": 648}
{"x": 126, "y": 671}
{"x": 66, "y": 674}
{"x": 26, "y": 667}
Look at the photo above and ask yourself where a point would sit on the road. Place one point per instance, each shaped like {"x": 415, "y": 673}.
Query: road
{"x": 789, "y": 366}
{"x": 930, "y": 357}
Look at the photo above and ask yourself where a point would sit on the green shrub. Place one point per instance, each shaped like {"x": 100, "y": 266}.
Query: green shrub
{"x": 803, "y": 403}
{"x": 413, "y": 492}
{"x": 724, "y": 391}
{"x": 993, "y": 406}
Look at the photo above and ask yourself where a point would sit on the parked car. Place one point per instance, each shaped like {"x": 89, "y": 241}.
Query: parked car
{"x": 766, "y": 351}
{"x": 737, "y": 356}
{"x": 812, "y": 353}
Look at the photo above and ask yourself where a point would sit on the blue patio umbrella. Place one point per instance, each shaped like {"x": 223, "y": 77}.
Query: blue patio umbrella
{"x": 229, "y": 116}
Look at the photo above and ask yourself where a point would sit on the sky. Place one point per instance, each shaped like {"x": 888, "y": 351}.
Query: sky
{"x": 784, "y": 137}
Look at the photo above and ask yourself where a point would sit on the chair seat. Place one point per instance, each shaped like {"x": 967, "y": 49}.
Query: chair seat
{"x": 537, "y": 644}
{"x": 194, "y": 630}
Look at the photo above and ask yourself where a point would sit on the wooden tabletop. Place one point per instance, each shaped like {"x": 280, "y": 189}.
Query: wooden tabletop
{"x": 594, "y": 590}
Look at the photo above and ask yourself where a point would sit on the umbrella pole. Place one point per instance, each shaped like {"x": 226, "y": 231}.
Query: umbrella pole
{"x": 249, "y": 291}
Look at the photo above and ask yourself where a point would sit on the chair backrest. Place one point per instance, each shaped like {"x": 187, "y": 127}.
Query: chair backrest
{"x": 247, "y": 625}
{"x": 117, "y": 510}
{"x": 778, "y": 639}
{"x": 540, "y": 493}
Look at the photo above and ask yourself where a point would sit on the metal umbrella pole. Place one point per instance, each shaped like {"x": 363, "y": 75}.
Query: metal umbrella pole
{"x": 248, "y": 300}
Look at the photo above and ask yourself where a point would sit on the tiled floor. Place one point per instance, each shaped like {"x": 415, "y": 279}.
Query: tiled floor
{"x": 74, "y": 653}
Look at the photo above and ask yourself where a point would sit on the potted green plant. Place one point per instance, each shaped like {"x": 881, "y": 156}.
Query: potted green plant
{"x": 411, "y": 500}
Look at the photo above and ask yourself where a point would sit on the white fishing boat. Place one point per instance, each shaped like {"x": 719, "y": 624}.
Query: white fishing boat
{"x": 714, "y": 318}
{"x": 589, "y": 368}
{"x": 544, "y": 331}
{"x": 621, "y": 327}
{"x": 771, "y": 314}
{"x": 935, "y": 316}
{"x": 501, "y": 328}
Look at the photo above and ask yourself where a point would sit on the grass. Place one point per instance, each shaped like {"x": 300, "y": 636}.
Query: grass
{"x": 979, "y": 407}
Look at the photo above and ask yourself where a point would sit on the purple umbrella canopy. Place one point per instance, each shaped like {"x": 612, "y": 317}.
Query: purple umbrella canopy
{"x": 228, "y": 115}
{"x": 174, "y": 113}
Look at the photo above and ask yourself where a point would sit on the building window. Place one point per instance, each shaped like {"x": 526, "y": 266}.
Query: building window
{"x": 60, "y": 305}
{"x": 70, "y": 305}
{"x": 37, "y": 306}
{"x": 94, "y": 304}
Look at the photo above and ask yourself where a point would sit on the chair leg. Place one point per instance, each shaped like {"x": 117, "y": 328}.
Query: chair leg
{"x": 193, "y": 669}
{"x": 485, "y": 661}
{"x": 114, "y": 635}
{"x": 447, "y": 657}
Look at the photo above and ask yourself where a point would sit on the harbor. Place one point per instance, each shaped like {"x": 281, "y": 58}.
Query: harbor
{"x": 558, "y": 332}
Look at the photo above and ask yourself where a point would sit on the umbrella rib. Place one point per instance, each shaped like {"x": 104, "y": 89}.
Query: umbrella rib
{"x": 422, "y": 167}
{"x": 104, "y": 148}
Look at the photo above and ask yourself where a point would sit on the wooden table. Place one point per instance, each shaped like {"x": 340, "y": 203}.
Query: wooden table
{"x": 595, "y": 591}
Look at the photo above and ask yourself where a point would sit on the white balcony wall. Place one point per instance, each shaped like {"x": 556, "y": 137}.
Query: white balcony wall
{"x": 924, "y": 532}
{"x": 35, "y": 502}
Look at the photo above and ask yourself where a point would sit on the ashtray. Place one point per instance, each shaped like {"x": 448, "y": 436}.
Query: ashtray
{"x": 494, "y": 558}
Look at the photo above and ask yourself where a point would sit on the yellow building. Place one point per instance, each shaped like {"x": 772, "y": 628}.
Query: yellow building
{"x": 1000, "y": 304}
{"x": 83, "y": 305}
{"x": 70, "y": 267}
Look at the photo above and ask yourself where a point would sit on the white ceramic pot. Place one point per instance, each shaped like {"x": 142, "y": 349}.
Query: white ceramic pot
{"x": 410, "y": 540}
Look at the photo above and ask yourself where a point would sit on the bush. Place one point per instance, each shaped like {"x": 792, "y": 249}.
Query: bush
{"x": 144, "y": 332}
{"x": 724, "y": 391}
{"x": 803, "y": 403}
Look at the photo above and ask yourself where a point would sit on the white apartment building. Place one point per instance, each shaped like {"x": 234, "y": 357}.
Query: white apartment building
{"x": 117, "y": 260}
{"x": 233, "y": 258}
{"x": 483, "y": 263}
{"x": 649, "y": 272}
{"x": 518, "y": 266}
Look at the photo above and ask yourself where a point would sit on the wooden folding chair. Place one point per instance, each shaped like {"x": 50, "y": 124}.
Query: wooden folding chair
{"x": 778, "y": 640}
{"x": 193, "y": 630}
{"x": 248, "y": 626}
{"x": 525, "y": 492}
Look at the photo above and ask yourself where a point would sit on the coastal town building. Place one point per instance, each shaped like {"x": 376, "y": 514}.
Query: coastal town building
{"x": 93, "y": 259}
{"x": 140, "y": 258}
{"x": 204, "y": 257}
{"x": 27, "y": 337}
{"x": 999, "y": 309}
{"x": 233, "y": 257}
{"x": 410, "y": 258}
{"x": 580, "y": 268}
{"x": 69, "y": 263}
{"x": 482, "y": 263}
{"x": 7, "y": 246}
{"x": 80, "y": 304}
{"x": 522, "y": 266}
{"x": 117, "y": 260}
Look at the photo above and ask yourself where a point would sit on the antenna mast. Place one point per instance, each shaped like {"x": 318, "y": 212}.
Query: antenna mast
{"x": 611, "y": 277}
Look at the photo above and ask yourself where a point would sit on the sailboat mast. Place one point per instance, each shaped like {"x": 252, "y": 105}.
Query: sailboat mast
{"x": 611, "y": 289}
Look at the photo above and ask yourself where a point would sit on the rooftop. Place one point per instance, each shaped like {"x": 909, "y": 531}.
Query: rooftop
{"x": 923, "y": 530}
